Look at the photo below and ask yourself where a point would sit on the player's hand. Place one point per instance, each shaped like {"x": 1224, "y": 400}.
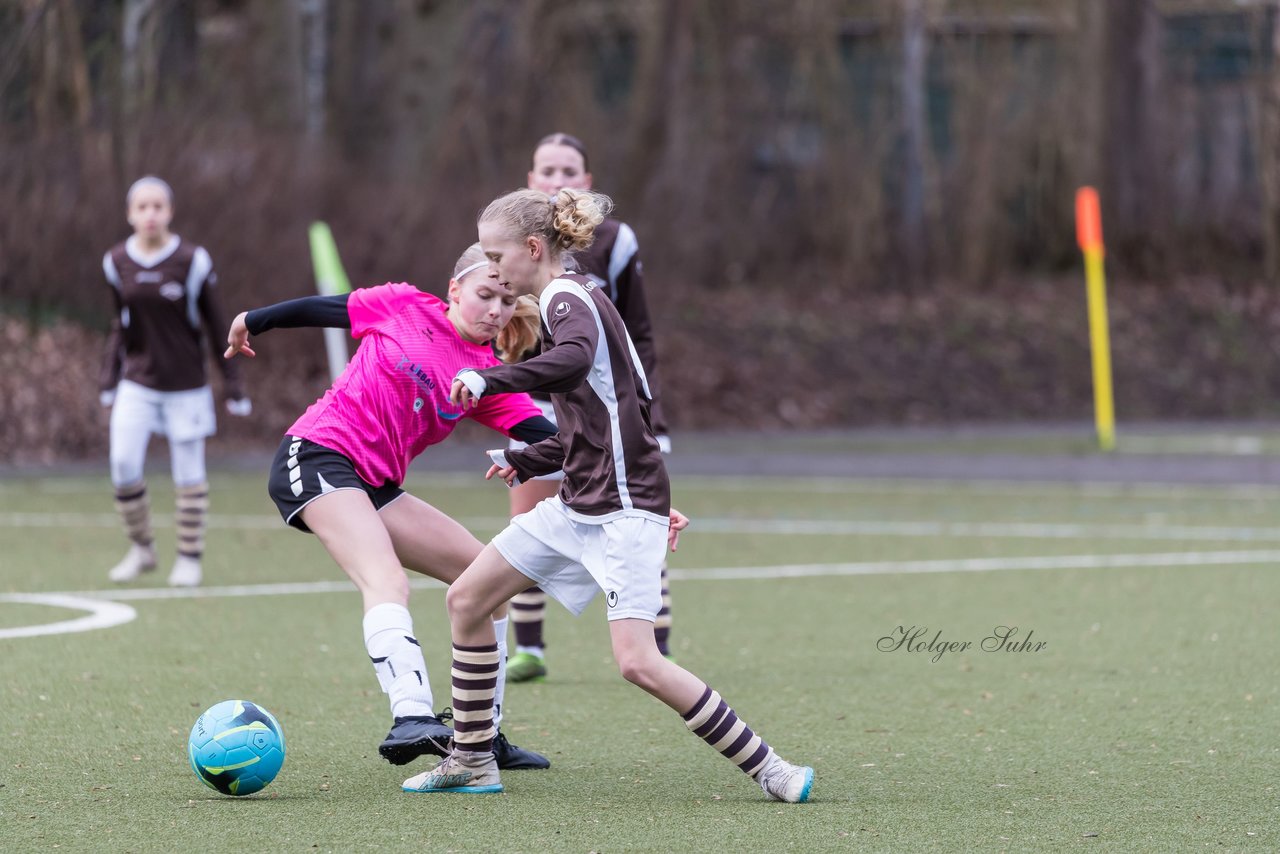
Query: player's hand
{"x": 679, "y": 522}
{"x": 467, "y": 388}
{"x": 507, "y": 473}
{"x": 240, "y": 406}
{"x": 238, "y": 338}
{"x": 460, "y": 395}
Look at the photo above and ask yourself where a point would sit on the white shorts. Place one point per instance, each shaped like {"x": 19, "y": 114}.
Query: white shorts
{"x": 179, "y": 415}
{"x": 573, "y": 560}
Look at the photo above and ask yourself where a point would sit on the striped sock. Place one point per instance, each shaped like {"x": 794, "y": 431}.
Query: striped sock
{"x": 714, "y": 722}
{"x": 475, "y": 677}
{"x": 193, "y": 506}
{"x": 527, "y": 612}
{"x": 135, "y": 511}
{"x": 662, "y": 625}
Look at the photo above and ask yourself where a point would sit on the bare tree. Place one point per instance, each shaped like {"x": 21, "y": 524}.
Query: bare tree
{"x": 1135, "y": 166}
{"x": 314, "y": 17}
{"x": 915, "y": 54}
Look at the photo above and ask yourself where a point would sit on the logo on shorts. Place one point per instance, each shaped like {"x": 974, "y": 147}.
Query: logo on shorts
{"x": 612, "y": 598}
{"x": 562, "y": 309}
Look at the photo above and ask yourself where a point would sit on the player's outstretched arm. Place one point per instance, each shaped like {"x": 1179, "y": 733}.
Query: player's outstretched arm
{"x": 322, "y": 312}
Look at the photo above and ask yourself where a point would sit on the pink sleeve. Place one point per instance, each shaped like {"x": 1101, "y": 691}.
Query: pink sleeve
{"x": 371, "y": 307}
{"x": 501, "y": 412}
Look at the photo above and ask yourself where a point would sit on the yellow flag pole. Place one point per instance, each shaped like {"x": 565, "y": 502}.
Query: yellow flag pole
{"x": 1089, "y": 235}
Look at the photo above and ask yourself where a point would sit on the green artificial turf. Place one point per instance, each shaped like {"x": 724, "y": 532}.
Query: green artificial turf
{"x": 1149, "y": 719}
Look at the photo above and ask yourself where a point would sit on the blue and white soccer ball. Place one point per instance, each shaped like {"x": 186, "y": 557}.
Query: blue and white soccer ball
{"x": 236, "y": 747}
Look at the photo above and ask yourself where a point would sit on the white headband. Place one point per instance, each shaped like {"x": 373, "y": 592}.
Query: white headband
{"x": 476, "y": 266}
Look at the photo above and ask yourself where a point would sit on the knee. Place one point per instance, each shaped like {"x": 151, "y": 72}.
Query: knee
{"x": 462, "y": 603}
{"x": 125, "y": 471}
{"x": 638, "y": 668}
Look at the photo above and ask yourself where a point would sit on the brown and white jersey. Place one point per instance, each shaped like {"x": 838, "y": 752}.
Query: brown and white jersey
{"x": 605, "y": 444}
{"x": 164, "y": 302}
{"x": 612, "y": 261}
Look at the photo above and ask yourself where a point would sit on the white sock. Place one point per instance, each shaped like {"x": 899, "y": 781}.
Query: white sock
{"x": 500, "y": 631}
{"x": 532, "y": 650}
{"x": 397, "y": 659}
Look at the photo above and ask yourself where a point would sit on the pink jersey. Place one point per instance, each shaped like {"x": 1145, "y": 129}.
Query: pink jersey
{"x": 392, "y": 401}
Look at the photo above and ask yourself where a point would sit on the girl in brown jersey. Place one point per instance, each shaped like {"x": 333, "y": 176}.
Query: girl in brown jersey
{"x": 612, "y": 521}
{"x": 613, "y": 263}
{"x": 154, "y": 376}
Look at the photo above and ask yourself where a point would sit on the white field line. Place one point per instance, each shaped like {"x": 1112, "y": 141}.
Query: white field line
{"x": 778, "y": 527}
{"x": 736, "y": 573}
{"x": 105, "y": 608}
{"x": 102, "y": 614}
{"x": 422, "y": 484}
{"x": 1049, "y": 489}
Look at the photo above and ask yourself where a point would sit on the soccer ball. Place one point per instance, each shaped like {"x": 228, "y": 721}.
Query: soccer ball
{"x": 236, "y": 747}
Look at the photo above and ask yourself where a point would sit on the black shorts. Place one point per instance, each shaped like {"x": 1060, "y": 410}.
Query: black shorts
{"x": 303, "y": 471}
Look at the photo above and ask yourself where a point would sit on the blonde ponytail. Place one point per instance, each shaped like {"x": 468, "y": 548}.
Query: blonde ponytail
{"x": 566, "y": 223}
{"x": 521, "y": 332}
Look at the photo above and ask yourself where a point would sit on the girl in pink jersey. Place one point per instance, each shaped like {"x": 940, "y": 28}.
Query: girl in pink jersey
{"x": 608, "y": 528}
{"x": 339, "y": 470}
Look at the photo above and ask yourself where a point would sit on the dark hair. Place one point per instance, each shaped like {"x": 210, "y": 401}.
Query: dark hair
{"x": 569, "y": 140}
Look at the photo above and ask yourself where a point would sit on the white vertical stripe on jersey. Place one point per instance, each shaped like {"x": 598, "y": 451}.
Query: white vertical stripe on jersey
{"x": 109, "y": 270}
{"x": 600, "y": 379}
{"x": 624, "y": 249}
{"x": 113, "y": 278}
{"x": 201, "y": 266}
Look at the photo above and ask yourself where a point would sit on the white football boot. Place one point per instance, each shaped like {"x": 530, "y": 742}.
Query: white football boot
{"x": 460, "y": 771}
{"x": 186, "y": 572}
{"x": 137, "y": 560}
{"x": 783, "y": 781}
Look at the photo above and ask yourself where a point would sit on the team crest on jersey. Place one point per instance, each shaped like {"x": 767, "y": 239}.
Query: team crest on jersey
{"x": 418, "y": 403}
{"x": 562, "y": 309}
{"x": 171, "y": 291}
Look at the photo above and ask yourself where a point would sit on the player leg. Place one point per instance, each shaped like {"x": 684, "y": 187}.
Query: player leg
{"x": 353, "y": 533}
{"x": 472, "y": 767}
{"x": 191, "y": 488}
{"x": 626, "y": 550}
{"x": 662, "y": 625}
{"x": 529, "y": 607}
{"x": 317, "y": 489}
{"x": 132, "y": 420}
{"x": 432, "y": 543}
{"x": 189, "y": 419}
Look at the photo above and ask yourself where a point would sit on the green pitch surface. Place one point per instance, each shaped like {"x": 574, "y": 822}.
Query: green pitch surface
{"x": 1142, "y": 713}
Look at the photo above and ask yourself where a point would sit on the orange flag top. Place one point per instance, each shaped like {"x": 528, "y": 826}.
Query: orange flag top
{"x": 1088, "y": 219}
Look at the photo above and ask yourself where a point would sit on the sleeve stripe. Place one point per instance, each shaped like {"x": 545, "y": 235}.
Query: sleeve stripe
{"x": 110, "y": 271}
{"x": 624, "y": 249}
{"x": 201, "y": 266}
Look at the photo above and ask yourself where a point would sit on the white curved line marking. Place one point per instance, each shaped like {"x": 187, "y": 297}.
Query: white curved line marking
{"x": 102, "y": 614}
